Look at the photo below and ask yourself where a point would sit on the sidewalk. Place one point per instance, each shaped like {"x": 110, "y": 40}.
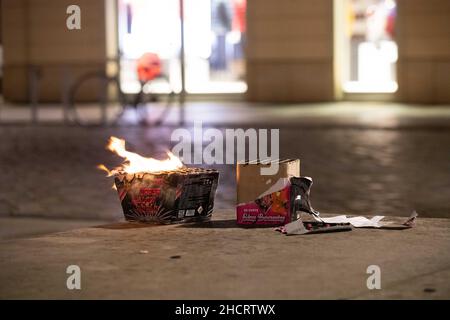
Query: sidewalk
{"x": 219, "y": 260}
{"x": 334, "y": 114}
{"x": 26, "y": 227}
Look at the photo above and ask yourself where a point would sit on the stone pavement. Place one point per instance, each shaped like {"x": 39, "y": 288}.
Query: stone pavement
{"x": 366, "y": 159}
{"x": 24, "y": 227}
{"x": 219, "y": 260}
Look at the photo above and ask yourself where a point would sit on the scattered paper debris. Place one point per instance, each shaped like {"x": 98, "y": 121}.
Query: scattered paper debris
{"x": 357, "y": 222}
{"x": 363, "y": 222}
{"x": 411, "y": 222}
{"x": 341, "y": 223}
{"x": 296, "y": 227}
{"x": 300, "y": 227}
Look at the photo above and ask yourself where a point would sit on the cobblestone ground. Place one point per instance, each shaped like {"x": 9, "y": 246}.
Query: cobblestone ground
{"x": 51, "y": 171}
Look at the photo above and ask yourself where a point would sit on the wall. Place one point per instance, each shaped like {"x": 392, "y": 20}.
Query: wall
{"x": 290, "y": 50}
{"x": 423, "y": 36}
{"x": 1, "y": 52}
{"x": 35, "y": 33}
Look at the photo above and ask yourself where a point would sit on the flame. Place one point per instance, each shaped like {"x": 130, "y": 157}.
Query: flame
{"x": 135, "y": 163}
{"x": 102, "y": 167}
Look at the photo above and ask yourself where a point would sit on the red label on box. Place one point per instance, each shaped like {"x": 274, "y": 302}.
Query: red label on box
{"x": 147, "y": 199}
{"x": 271, "y": 209}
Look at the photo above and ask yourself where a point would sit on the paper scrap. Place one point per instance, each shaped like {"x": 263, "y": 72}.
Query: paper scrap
{"x": 295, "y": 227}
{"x": 363, "y": 222}
{"x": 411, "y": 222}
{"x": 299, "y": 227}
{"x": 357, "y": 222}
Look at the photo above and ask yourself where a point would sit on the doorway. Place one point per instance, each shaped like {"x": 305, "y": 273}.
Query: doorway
{"x": 366, "y": 46}
{"x": 214, "y": 41}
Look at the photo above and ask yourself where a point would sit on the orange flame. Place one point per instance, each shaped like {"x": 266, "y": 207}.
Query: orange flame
{"x": 135, "y": 163}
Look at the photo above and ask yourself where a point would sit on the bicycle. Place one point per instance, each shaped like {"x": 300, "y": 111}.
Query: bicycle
{"x": 110, "y": 83}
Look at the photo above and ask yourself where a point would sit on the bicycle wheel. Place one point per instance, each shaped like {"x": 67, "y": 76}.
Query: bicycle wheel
{"x": 157, "y": 106}
{"x": 90, "y": 102}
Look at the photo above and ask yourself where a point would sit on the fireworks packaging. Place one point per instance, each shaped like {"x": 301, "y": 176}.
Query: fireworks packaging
{"x": 181, "y": 195}
{"x": 271, "y": 199}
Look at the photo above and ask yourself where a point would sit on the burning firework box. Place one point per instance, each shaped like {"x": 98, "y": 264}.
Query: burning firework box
{"x": 265, "y": 199}
{"x": 181, "y": 195}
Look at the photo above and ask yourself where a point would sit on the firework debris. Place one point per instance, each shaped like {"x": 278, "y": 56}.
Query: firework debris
{"x": 181, "y": 195}
{"x": 343, "y": 223}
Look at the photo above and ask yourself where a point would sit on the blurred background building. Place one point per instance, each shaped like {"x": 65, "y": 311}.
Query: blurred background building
{"x": 277, "y": 51}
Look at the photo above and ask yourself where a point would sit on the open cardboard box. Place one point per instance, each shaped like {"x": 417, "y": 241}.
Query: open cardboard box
{"x": 264, "y": 199}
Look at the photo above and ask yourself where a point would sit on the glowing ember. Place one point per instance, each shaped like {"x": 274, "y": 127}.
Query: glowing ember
{"x": 135, "y": 163}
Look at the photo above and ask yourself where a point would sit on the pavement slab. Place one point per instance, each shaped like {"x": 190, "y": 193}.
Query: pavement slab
{"x": 220, "y": 260}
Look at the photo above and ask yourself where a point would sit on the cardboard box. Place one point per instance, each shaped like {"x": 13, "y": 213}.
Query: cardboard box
{"x": 265, "y": 199}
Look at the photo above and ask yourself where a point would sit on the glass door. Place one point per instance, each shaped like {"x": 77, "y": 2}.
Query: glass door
{"x": 214, "y": 40}
{"x": 369, "y": 47}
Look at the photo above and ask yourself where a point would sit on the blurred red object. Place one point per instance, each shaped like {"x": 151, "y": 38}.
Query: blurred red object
{"x": 390, "y": 23}
{"x": 148, "y": 67}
